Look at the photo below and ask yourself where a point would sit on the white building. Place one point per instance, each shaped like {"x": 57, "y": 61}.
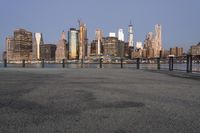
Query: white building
{"x": 130, "y": 35}
{"x": 99, "y": 37}
{"x": 38, "y": 40}
{"x": 112, "y": 34}
{"x": 139, "y": 45}
{"x": 120, "y": 35}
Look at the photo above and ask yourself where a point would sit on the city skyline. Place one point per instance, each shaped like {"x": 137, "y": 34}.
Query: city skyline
{"x": 179, "y": 20}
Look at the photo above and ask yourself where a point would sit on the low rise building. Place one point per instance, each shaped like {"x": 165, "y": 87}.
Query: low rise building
{"x": 47, "y": 52}
{"x": 195, "y": 49}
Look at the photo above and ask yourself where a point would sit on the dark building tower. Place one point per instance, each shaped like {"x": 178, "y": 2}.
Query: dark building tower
{"x": 23, "y": 43}
{"x": 47, "y": 52}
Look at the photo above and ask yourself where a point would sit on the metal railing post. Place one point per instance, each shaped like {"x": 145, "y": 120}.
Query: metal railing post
{"x": 100, "y": 62}
{"x": 81, "y": 63}
{"x": 5, "y": 62}
{"x": 138, "y": 63}
{"x": 158, "y": 63}
{"x": 63, "y": 63}
{"x": 23, "y": 63}
{"x": 188, "y": 64}
{"x": 42, "y": 63}
{"x": 171, "y": 63}
{"x": 121, "y": 63}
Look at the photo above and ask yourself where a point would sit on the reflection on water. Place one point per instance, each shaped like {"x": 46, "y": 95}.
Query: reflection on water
{"x": 182, "y": 67}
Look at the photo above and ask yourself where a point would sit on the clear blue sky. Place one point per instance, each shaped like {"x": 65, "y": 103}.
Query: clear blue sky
{"x": 180, "y": 19}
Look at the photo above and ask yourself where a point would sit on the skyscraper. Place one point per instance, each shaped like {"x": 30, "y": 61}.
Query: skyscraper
{"x": 73, "y": 43}
{"x": 23, "y": 44}
{"x": 153, "y": 42}
{"x": 113, "y": 47}
{"x": 158, "y": 40}
{"x": 61, "y": 50}
{"x": 82, "y": 40}
{"x": 130, "y": 35}
{"x": 99, "y": 37}
{"x": 9, "y": 48}
{"x": 37, "y": 41}
{"x": 121, "y": 35}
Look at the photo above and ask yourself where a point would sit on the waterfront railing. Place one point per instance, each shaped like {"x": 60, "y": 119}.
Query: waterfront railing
{"x": 188, "y": 63}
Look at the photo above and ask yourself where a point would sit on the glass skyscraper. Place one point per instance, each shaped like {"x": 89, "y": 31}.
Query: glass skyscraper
{"x": 73, "y": 47}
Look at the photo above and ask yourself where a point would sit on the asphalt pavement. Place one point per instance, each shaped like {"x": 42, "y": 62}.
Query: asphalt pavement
{"x": 56, "y": 100}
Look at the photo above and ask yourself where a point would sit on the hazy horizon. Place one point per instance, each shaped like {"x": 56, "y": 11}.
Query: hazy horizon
{"x": 179, "y": 19}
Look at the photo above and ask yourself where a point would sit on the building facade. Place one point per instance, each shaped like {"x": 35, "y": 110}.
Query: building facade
{"x": 37, "y": 41}
{"x": 47, "y": 52}
{"x": 130, "y": 36}
{"x": 82, "y": 40}
{"x": 23, "y": 44}
{"x": 121, "y": 35}
{"x": 176, "y": 51}
{"x": 113, "y": 47}
{"x": 153, "y": 43}
{"x": 73, "y": 47}
{"x": 19, "y": 47}
{"x": 195, "y": 49}
{"x": 157, "y": 45}
{"x": 61, "y": 48}
{"x": 99, "y": 38}
{"x": 9, "y": 48}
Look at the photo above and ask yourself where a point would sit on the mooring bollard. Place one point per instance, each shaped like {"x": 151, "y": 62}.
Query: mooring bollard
{"x": 100, "y": 62}
{"x": 23, "y": 63}
{"x": 5, "y": 63}
{"x": 138, "y": 63}
{"x": 63, "y": 63}
{"x": 42, "y": 63}
{"x": 158, "y": 63}
{"x": 121, "y": 63}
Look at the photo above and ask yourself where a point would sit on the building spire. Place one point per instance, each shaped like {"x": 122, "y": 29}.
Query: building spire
{"x": 130, "y": 22}
{"x": 63, "y": 35}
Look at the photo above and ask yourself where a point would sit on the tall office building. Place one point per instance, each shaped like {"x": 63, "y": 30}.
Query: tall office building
{"x": 130, "y": 35}
{"x": 153, "y": 42}
{"x": 158, "y": 40}
{"x": 37, "y": 41}
{"x": 9, "y": 48}
{"x": 82, "y": 40}
{"x": 113, "y": 47}
{"x": 99, "y": 37}
{"x": 23, "y": 44}
{"x": 73, "y": 46}
{"x": 121, "y": 35}
{"x": 61, "y": 50}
